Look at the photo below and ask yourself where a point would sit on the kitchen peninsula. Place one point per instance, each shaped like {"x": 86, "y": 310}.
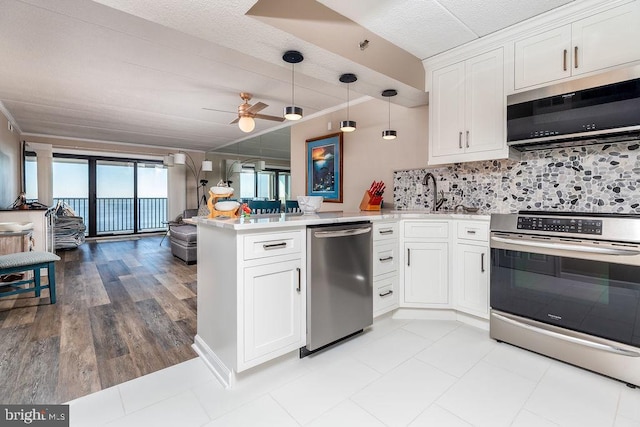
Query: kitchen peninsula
{"x": 252, "y": 278}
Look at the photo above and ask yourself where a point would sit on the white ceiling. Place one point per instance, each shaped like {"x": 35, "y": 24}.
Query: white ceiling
{"x": 142, "y": 71}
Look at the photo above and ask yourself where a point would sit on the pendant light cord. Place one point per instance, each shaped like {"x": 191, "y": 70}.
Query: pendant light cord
{"x": 348, "y": 84}
{"x": 389, "y": 99}
{"x": 293, "y": 83}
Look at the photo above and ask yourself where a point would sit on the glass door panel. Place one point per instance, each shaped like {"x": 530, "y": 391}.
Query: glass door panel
{"x": 71, "y": 185}
{"x": 115, "y": 209}
{"x": 152, "y": 197}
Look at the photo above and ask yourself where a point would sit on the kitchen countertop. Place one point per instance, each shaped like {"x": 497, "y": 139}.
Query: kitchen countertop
{"x": 257, "y": 222}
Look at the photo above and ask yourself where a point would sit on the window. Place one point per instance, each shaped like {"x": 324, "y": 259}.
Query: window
{"x": 271, "y": 184}
{"x": 31, "y": 176}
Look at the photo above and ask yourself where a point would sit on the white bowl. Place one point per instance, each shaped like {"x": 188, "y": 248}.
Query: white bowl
{"x": 218, "y": 191}
{"x": 226, "y": 205}
{"x": 309, "y": 204}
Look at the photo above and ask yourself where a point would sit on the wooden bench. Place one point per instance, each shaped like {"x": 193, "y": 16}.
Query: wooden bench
{"x": 29, "y": 261}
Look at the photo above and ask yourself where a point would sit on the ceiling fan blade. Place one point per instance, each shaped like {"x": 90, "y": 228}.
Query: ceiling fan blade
{"x": 267, "y": 117}
{"x": 258, "y": 106}
{"x": 220, "y": 111}
{"x": 235, "y": 121}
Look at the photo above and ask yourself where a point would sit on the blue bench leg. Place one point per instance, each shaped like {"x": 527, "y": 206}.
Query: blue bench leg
{"x": 36, "y": 280}
{"x": 52, "y": 282}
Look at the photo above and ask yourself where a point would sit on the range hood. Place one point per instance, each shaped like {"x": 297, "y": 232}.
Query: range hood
{"x": 592, "y": 110}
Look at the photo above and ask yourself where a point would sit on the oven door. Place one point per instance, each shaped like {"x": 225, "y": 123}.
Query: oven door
{"x": 586, "y": 286}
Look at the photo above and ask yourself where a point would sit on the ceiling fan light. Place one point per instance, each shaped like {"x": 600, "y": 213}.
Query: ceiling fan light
{"x": 179, "y": 158}
{"x": 292, "y": 112}
{"x": 207, "y": 165}
{"x": 389, "y": 134}
{"x": 347, "y": 126}
{"x": 246, "y": 124}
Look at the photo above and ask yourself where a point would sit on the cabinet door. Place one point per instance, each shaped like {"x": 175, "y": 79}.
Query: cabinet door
{"x": 471, "y": 279}
{"x": 485, "y": 113}
{"x": 426, "y": 279}
{"x": 543, "y": 58}
{"x": 606, "y": 39}
{"x": 447, "y": 110}
{"x": 273, "y": 301}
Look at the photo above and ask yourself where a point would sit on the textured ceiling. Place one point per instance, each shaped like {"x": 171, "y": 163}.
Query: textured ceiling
{"x": 142, "y": 71}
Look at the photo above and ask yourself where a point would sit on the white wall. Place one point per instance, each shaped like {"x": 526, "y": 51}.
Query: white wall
{"x": 366, "y": 156}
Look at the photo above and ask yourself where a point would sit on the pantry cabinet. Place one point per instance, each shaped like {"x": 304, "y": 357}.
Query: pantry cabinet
{"x": 467, "y": 110}
{"x": 595, "y": 43}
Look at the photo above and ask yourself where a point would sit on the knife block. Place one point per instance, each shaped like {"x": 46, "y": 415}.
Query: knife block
{"x": 369, "y": 203}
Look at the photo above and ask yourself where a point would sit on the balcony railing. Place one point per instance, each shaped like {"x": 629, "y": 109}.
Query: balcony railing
{"x": 115, "y": 214}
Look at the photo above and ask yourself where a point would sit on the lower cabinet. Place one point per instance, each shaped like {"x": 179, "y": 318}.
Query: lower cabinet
{"x": 471, "y": 279}
{"x": 273, "y": 309}
{"x": 426, "y": 273}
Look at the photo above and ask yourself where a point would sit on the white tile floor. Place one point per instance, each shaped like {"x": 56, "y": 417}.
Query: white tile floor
{"x": 398, "y": 373}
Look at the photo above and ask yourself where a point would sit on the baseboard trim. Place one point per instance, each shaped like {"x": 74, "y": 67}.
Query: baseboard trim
{"x": 225, "y": 375}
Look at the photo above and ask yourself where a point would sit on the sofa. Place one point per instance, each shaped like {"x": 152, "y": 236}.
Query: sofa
{"x": 184, "y": 238}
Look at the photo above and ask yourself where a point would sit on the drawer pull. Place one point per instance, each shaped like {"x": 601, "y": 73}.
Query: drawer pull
{"x": 389, "y": 292}
{"x": 389, "y": 258}
{"x": 471, "y": 231}
{"x": 386, "y": 231}
{"x": 270, "y": 246}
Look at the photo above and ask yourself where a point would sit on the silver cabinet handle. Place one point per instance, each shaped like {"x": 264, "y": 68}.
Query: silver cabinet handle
{"x": 389, "y": 292}
{"x": 341, "y": 233}
{"x": 575, "y": 57}
{"x": 564, "y": 60}
{"x": 270, "y": 246}
{"x": 389, "y": 258}
{"x": 299, "y": 279}
{"x": 471, "y": 231}
{"x": 467, "y": 139}
{"x": 408, "y": 257}
{"x": 563, "y": 337}
{"x": 566, "y": 247}
{"x": 482, "y": 262}
{"x": 386, "y": 231}
{"x": 460, "y": 140}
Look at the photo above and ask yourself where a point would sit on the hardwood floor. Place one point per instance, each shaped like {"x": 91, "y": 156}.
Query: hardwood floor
{"x": 124, "y": 309}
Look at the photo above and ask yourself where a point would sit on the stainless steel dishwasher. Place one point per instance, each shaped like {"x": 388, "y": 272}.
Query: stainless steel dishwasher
{"x": 339, "y": 283}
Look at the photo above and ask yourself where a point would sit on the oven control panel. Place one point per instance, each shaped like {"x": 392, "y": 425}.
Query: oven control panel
{"x": 561, "y": 225}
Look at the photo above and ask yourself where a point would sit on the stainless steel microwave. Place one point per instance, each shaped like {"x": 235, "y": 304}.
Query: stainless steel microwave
{"x": 600, "y": 108}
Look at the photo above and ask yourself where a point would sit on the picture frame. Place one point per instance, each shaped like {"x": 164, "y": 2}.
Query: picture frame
{"x": 324, "y": 167}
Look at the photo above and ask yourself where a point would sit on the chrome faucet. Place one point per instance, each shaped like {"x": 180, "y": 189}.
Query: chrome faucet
{"x": 436, "y": 203}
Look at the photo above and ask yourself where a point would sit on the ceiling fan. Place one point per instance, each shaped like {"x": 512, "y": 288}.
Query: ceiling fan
{"x": 247, "y": 113}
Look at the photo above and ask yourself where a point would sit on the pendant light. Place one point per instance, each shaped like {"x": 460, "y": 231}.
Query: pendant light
{"x": 389, "y": 133}
{"x": 292, "y": 112}
{"x": 348, "y": 125}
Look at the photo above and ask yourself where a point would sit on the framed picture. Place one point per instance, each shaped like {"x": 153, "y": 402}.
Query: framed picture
{"x": 324, "y": 167}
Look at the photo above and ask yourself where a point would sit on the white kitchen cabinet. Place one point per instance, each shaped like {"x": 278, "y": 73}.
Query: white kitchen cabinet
{"x": 471, "y": 268}
{"x": 604, "y": 40}
{"x": 425, "y": 264}
{"x": 272, "y": 309}
{"x": 385, "y": 267}
{"x": 467, "y": 110}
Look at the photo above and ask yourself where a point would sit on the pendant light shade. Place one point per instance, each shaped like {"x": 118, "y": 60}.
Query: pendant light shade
{"x": 389, "y": 133}
{"x": 246, "y": 124}
{"x": 348, "y": 125}
{"x": 168, "y": 160}
{"x": 292, "y": 112}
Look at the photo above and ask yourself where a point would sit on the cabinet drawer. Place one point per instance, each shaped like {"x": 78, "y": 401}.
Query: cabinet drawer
{"x": 478, "y": 231}
{"x": 385, "y": 258}
{"x": 385, "y": 231}
{"x": 272, "y": 244}
{"x": 428, "y": 229}
{"x": 385, "y": 294}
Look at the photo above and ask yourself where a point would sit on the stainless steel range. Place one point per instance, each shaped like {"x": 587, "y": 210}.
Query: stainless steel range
{"x": 567, "y": 285}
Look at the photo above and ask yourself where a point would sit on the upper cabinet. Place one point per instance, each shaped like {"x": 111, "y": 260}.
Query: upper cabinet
{"x": 600, "y": 41}
{"x": 467, "y": 110}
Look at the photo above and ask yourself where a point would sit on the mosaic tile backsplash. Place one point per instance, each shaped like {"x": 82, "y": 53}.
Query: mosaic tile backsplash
{"x": 593, "y": 178}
